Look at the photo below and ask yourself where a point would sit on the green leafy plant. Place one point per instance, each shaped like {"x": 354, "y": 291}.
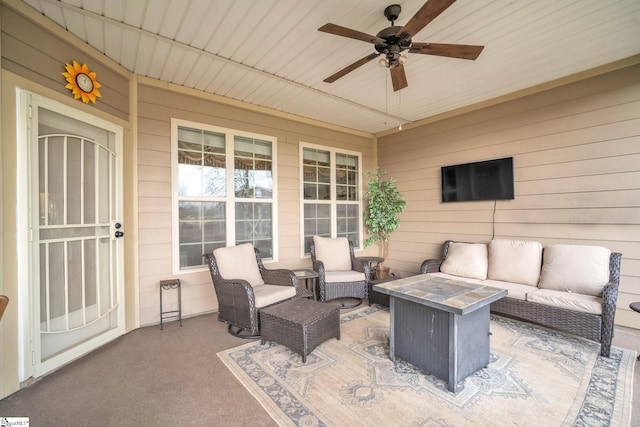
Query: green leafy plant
{"x": 385, "y": 203}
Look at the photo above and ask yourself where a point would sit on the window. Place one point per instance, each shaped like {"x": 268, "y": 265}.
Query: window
{"x": 330, "y": 194}
{"x": 221, "y": 174}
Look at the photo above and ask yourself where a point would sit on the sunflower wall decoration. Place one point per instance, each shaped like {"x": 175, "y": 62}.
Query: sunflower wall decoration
{"x": 82, "y": 82}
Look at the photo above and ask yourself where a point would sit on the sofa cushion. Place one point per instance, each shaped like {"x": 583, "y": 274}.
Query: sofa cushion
{"x": 514, "y": 290}
{"x": 575, "y": 268}
{"x": 239, "y": 262}
{"x": 568, "y": 300}
{"x": 333, "y": 252}
{"x": 517, "y": 261}
{"x": 466, "y": 260}
{"x": 270, "y": 294}
{"x": 344, "y": 276}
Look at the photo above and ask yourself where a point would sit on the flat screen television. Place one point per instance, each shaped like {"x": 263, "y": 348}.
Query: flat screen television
{"x": 487, "y": 180}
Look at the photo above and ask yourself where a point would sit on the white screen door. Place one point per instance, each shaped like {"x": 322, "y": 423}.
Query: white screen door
{"x": 75, "y": 233}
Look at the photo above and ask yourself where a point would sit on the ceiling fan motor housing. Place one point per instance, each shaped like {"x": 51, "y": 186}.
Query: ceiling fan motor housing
{"x": 393, "y": 46}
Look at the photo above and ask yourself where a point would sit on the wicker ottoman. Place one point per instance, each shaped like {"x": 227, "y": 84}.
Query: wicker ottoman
{"x": 300, "y": 324}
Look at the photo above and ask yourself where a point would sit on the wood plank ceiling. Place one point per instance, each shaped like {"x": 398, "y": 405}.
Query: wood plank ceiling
{"x": 269, "y": 52}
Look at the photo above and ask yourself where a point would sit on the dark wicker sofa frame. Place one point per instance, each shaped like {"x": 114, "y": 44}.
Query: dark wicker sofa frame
{"x": 594, "y": 327}
{"x": 333, "y": 290}
{"x": 236, "y": 300}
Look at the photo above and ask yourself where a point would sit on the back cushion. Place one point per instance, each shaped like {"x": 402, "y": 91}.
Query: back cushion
{"x": 239, "y": 262}
{"x": 515, "y": 261}
{"x": 575, "y": 268}
{"x": 466, "y": 260}
{"x": 334, "y": 253}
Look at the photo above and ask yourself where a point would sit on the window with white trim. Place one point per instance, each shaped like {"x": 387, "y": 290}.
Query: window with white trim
{"x": 221, "y": 174}
{"x": 331, "y": 205}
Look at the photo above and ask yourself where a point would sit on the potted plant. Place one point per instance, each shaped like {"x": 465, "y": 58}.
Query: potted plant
{"x": 385, "y": 203}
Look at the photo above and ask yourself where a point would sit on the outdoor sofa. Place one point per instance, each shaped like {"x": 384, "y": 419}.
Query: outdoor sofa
{"x": 572, "y": 288}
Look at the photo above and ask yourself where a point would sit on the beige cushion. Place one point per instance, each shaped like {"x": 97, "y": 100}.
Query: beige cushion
{"x": 270, "y": 294}
{"x": 343, "y": 276}
{"x": 334, "y": 253}
{"x": 514, "y": 290}
{"x": 569, "y": 300}
{"x": 516, "y": 261}
{"x": 466, "y": 260}
{"x": 575, "y": 268}
{"x": 239, "y": 262}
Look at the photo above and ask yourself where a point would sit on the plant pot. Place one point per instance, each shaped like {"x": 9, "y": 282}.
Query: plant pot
{"x": 382, "y": 272}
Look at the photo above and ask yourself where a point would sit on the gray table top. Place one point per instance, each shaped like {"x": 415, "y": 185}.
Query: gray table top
{"x": 305, "y": 273}
{"x": 444, "y": 294}
{"x": 371, "y": 258}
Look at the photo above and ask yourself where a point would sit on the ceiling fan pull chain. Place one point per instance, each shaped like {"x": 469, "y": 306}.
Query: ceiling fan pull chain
{"x": 400, "y": 108}
{"x": 386, "y": 99}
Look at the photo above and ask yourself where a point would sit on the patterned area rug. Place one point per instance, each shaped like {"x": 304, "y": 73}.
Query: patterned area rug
{"x": 536, "y": 377}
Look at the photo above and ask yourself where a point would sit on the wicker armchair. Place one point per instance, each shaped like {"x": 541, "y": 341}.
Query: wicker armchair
{"x": 244, "y": 286}
{"x": 340, "y": 273}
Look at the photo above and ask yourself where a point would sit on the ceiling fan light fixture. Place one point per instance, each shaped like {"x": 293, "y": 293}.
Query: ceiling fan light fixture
{"x": 394, "y": 60}
{"x": 383, "y": 62}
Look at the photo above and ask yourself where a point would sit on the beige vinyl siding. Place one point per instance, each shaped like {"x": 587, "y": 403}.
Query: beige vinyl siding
{"x": 157, "y": 105}
{"x": 32, "y": 52}
{"x": 576, "y": 153}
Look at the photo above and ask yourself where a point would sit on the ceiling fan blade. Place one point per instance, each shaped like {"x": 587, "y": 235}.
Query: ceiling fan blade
{"x": 462, "y": 51}
{"x": 427, "y": 13}
{"x": 352, "y": 34}
{"x": 346, "y": 70}
{"x": 398, "y": 77}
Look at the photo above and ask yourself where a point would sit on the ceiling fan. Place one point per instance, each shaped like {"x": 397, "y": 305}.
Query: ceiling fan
{"x": 394, "y": 40}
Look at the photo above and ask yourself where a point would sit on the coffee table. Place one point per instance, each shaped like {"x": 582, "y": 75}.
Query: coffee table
{"x": 300, "y": 324}
{"x": 440, "y": 325}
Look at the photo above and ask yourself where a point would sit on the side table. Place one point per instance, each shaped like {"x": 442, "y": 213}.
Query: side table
{"x": 171, "y": 314}
{"x": 635, "y": 306}
{"x": 373, "y": 262}
{"x": 307, "y": 275}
